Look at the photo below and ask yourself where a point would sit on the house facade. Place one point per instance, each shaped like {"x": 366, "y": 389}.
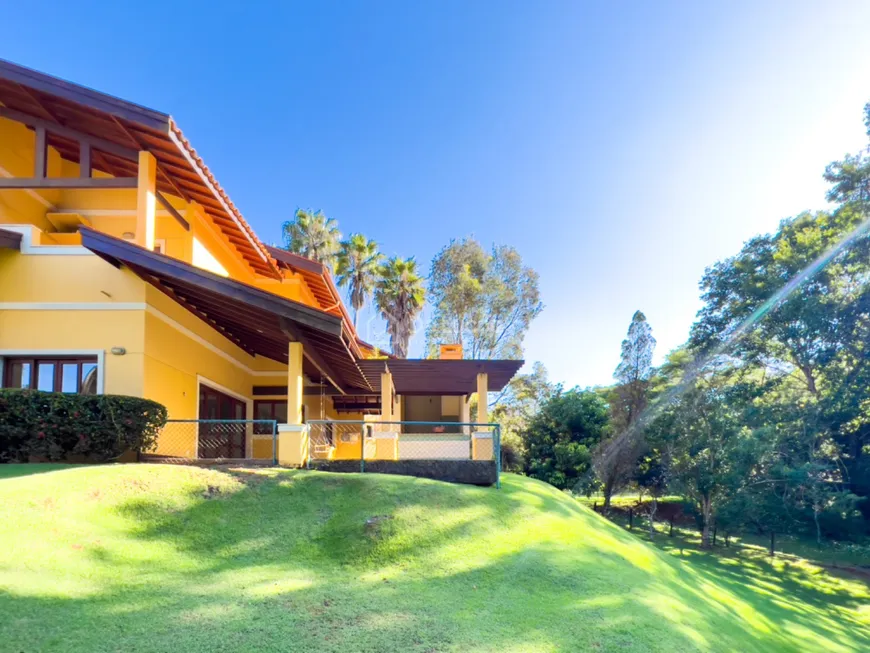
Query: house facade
{"x": 125, "y": 268}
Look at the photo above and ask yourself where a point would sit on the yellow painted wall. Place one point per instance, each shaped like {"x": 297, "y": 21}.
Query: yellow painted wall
{"x": 65, "y": 279}
{"x": 84, "y": 279}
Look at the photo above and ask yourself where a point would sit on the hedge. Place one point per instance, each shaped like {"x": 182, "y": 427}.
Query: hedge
{"x": 57, "y": 426}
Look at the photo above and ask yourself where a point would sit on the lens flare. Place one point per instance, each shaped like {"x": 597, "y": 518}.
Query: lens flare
{"x": 695, "y": 369}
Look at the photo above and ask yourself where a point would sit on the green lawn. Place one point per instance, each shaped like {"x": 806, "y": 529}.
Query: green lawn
{"x": 160, "y": 558}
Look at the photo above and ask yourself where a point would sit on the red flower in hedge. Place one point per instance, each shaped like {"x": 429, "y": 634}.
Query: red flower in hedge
{"x": 40, "y": 435}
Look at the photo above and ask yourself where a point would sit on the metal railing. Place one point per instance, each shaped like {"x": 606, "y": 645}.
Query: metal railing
{"x": 217, "y": 440}
{"x": 360, "y": 440}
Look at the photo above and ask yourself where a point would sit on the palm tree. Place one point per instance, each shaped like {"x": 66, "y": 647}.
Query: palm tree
{"x": 312, "y": 235}
{"x": 399, "y": 296}
{"x": 357, "y": 267}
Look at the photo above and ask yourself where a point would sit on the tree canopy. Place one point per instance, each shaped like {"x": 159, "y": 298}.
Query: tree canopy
{"x": 482, "y": 301}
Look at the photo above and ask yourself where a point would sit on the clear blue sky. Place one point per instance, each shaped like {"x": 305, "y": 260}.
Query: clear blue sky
{"x": 621, "y": 147}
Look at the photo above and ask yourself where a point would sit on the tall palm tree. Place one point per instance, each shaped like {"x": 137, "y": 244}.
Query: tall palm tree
{"x": 399, "y": 296}
{"x": 357, "y": 267}
{"x": 312, "y": 235}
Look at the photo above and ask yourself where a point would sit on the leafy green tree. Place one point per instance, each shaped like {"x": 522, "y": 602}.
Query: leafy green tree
{"x": 707, "y": 447}
{"x": 313, "y": 235}
{"x": 514, "y": 409}
{"x": 399, "y": 296}
{"x": 560, "y": 437}
{"x": 803, "y": 330}
{"x": 850, "y": 178}
{"x": 357, "y": 268}
{"x": 484, "y": 302}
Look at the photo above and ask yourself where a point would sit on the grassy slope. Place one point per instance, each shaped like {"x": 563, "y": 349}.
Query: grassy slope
{"x": 161, "y": 558}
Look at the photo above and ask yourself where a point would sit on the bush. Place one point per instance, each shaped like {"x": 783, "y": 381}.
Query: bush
{"x": 512, "y": 459}
{"x": 55, "y": 426}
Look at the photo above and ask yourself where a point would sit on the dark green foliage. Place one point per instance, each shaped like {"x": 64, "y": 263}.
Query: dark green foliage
{"x": 560, "y": 438}
{"x": 55, "y": 426}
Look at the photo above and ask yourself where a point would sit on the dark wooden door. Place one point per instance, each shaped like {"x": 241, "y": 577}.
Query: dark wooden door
{"x": 222, "y": 438}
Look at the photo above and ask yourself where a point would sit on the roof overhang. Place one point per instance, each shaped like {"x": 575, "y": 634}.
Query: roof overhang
{"x": 257, "y": 321}
{"x": 119, "y": 130}
{"x": 440, "y": 377}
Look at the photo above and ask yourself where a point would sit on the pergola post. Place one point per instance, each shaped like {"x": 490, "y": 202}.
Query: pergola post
{"x": 386, "y": 396}
{"x": 482, "y": 398}
{"x": 146, "y": 201}
{"x": 294, "y": 383}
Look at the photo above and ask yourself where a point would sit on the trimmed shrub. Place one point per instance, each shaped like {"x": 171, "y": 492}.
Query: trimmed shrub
{"x": 56, "y": 426}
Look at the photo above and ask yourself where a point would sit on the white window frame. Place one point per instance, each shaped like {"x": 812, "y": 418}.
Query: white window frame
{"x": 57, "y": 353}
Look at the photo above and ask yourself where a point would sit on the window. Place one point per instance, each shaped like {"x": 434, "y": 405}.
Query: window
{"x": 275, "y": 409}
{"x": 69, "y": 374}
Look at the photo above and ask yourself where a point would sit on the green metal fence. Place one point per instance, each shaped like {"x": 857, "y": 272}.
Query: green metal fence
{"x": 402, "y": 441}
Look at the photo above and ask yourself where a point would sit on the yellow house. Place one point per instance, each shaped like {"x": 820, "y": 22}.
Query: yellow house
{"x": 125, "y": 268}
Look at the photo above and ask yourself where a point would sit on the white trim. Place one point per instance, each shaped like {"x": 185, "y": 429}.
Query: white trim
{"x": 386, "y": 436}
{"x": 482, "y": 436}
{"x": 292, "y": 428}
{"x": 72, "y": 306}
{"x": 36, "y": 353}
{"x": 29, "y": 249}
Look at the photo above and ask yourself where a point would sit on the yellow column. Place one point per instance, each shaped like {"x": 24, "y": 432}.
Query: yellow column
{"x": 294, "y": 383}
{"x": 293, "y": 436}
{"x": 146, "y": 201}
{"x": 482, "y": 398}
{"x": 386, "y": 397}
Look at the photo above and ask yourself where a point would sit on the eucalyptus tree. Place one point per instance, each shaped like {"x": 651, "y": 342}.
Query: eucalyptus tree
{"x": 484, "y": 301}
{"x": 399, "y": 296}
{"x": 357, "y": 267}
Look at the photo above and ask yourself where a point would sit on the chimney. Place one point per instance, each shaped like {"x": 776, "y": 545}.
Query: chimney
{"x": 451, "y": 352}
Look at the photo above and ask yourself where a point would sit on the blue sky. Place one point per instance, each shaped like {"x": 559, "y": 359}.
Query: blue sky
{"x": 621, "y": 147}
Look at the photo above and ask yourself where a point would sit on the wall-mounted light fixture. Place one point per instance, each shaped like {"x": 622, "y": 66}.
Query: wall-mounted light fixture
{"x": 128, "y": 235}
{"x": 118, "y": 351}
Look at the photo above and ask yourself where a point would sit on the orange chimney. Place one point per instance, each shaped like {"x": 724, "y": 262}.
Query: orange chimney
{"x": 451, "y": 352}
